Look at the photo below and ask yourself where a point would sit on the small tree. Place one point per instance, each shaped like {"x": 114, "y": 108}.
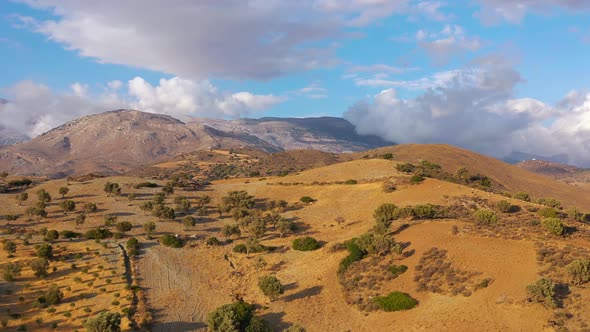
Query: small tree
{"x": 37, "y": 212}
{"x": 44, "y": 250}
{"x": 171, "y": 241}
{"x": 112, "y": 189}
{"x": 63, "y": 191}
{"x": 579, "y": 271}
{"x": 306, "y": 243}
{"x": 53, "y": 295}
{"x": 110, "y": 220}
{"x": 271, "y": 286}
{"x": 523, "y": 196}
{"x": 251, "y": 244}
{"x": 80, "y": 219}
{"x": 232, "y": 317}
{"x": 39, "y": 267}
{"x": 10, "y": 248}
{"x": 51, "y": 236}
{"x": 90, "y": 208}
{"x": 20, "y": 198}
{"x": 168, "y": 189}
{"x": 285, "y": 226}
{"x": 146, "y": 207}
{"x": 202, "y": 211}
{"x": 67, "y": 206}
{"x": 485, "y": 217}
{"x": 10, "y": 271}
{"x": 228, "y": 230}
{"x": 124, "y": 226}
{"x": 188, "y": 222}
{"x": 104, "y": 322}
{"x": 43, "y": 195}
{"x": 542, "y": 291}
{"x": 149, "y": 228}
{"x": 257, "y": 227}
{"x": 383, "y": 216}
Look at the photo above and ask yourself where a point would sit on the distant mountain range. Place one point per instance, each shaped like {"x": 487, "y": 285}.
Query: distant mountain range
{"x": 115, "y": 141}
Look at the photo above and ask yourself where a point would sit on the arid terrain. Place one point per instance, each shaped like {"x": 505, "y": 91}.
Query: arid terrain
{"x": 461, "y": 270}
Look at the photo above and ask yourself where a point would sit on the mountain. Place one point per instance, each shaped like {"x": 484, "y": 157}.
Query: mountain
{"x": 328, "y": 134}
{"x": 111, "y": 142}
{"x": 116, "y": 141}
{"x": 517, "y": 157}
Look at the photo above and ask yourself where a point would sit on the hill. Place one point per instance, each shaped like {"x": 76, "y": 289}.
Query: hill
{"x": 511, "y": 178}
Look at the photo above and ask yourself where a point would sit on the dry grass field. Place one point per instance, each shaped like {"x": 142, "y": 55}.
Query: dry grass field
{"x": 180, "y": 286}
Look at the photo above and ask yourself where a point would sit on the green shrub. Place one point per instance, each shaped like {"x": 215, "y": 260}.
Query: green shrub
{"x": 271, "y": 286}
{"x": 231, "y": 317}
{"x": 579, "y": 271}
{"x": 212, "y": 241}
{"x": 485, "y": 217}
{"x": 505, "y": 206}
{"x": 575, "y": 214}
{"x": 549, "y": 213}
{"x": 550, "y": 202}
{"x": 427, "y": 211}
{"x": 44, "y": 250}
{"x": 396, "y": 270}
{"x": 351, "y": 181}
{"x": 542, "y": 291}
{"x": 305, "y": 244}
{"x": 69, "y": 234}
{"x": 405, "y": 168}
{"x": 307, "y": 199}
{"x": 416, "y": 179}
{"x": 98, "y": 234}
{"x": 523, "y": 196}
{"x": 240, "y": 248}
{"x": 553, "y": 225}
{"x": 124, "y": 226}
{"x": 395, "y": 301}
{"x": 355, "y": 254}
{"x": 104, "y": 322}
{"x": 258, "y": 324}
{"x": 387, "y": 156}
{"x": 171, "y": 241}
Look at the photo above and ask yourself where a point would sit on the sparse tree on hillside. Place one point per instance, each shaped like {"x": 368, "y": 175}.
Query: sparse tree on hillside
{"x": 67, "y": 206}
{"x": 219, "y": 208}
{"x": 146, "y": 207}
{"x": 251, "y": 244}
{"x": 90, "y": 208}
{"x": 188, "y": 222}
{"x": 44, "y": 250}
{"x": 63, "y": 191}
{"x": 10, "y": 271}
{"x": 285, "y": 226}
{"x": 183, "y": 205}
{"x": 37, "y": 212}
{"x": 202, "y": 211}
{"x": 51, "y": 236}
{"x": 131, "y": 197}
{"x": 149, "y": 228}
{"x": 110, "y": 220}
{"x": 80, "y": 219}
{"x": 43, "y": 196}
{"x": 112, "y": 189}
{"x": 203, "y": 200}
{"x": 124, "y": 226}
{"x": 257, "y": 227}
{"x": 271, "y": 286}
{"x": 383, "y": 216}
{"x": 39, "y": 267}
{"x": 159, "y": 199}
{"x": 229, "y": 230}
{"x": 20, "y": 198}
{"x": 41, "y": 205}
{"x": 168, "y": 189}
{"x": 9, "y": 247}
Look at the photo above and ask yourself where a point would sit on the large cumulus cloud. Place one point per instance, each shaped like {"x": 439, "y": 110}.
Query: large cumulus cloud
{"x": 476, "y": 109}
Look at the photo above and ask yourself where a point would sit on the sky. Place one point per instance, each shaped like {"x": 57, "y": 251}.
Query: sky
{"x": 494, "y": 76}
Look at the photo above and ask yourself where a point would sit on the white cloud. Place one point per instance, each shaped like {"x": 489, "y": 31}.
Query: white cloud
{"x": 513, "y": 11}
{"x": 476, "y": 109}
{"x": 363, "y": 12}
{"x": 34, "y": 108}
{"x": 450, "y": 41}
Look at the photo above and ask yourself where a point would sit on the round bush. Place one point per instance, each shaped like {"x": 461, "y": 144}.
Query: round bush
{"x": 553, "y": 225}
{"x": 395, "y": 301}
{"x": 305, "y": 244}
{"x": 485, "y": 217}
{"x": 171, "y": 241}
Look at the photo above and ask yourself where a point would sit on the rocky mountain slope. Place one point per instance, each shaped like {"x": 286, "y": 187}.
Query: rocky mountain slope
{"x": 328, "y": 134}
{"x": 113, "y": 142}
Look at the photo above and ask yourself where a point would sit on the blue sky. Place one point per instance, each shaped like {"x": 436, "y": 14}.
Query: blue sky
{"x": 379, "y": 59}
